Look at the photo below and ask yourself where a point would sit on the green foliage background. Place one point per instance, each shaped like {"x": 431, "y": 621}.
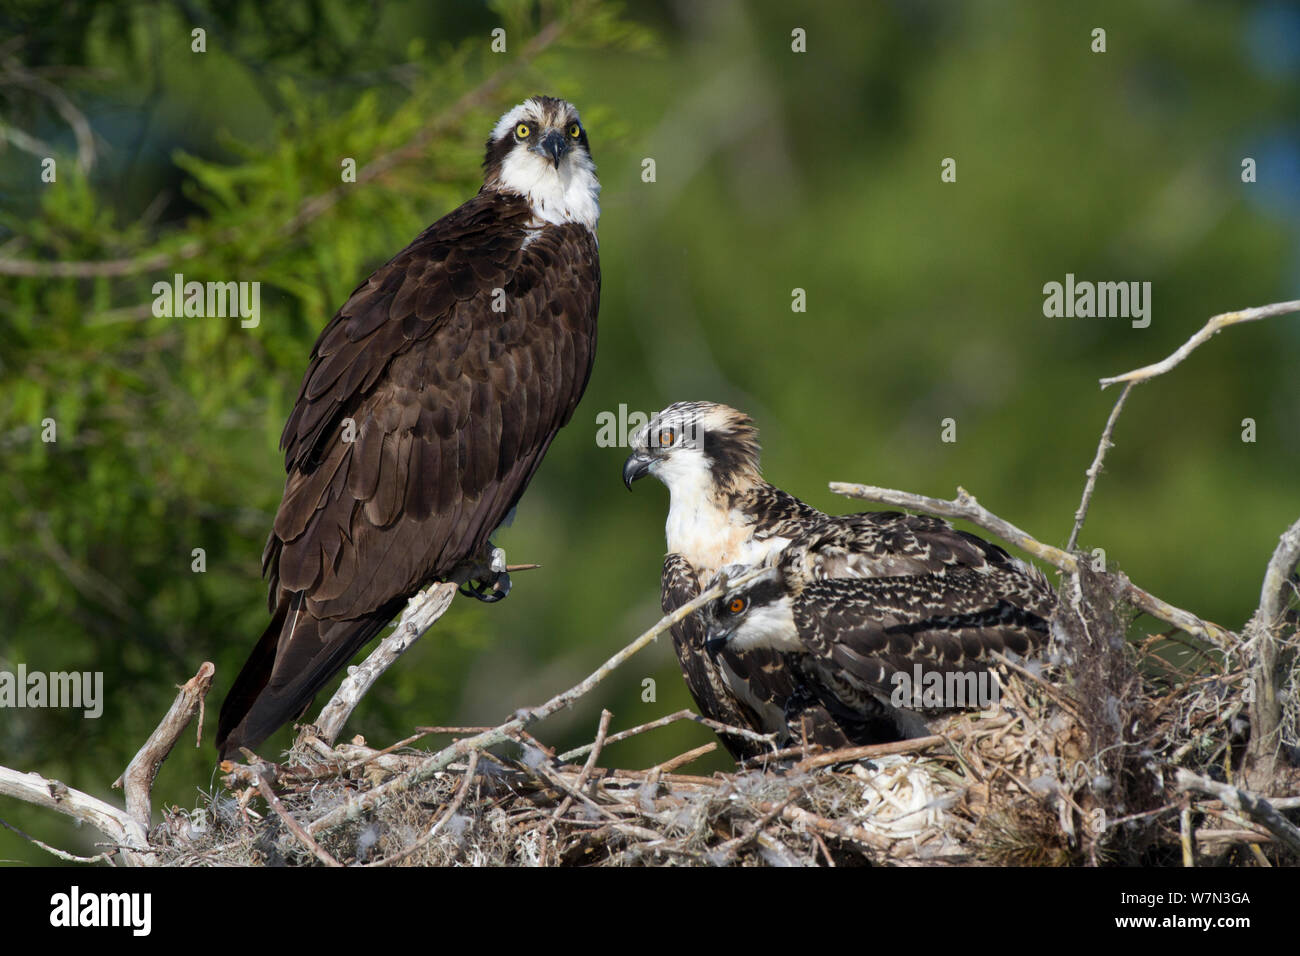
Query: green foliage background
{"x": 774, "y": 170}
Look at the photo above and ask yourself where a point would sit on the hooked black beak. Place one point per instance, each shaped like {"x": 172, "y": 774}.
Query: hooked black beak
{"x": 636, "y": 466}
{"x": 554, "y": 144}
{"x": 716, "y": 643}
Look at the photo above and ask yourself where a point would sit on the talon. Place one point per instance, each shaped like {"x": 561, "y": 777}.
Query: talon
{"x": 485, "y": 591}
{"x": 485, "y": 580}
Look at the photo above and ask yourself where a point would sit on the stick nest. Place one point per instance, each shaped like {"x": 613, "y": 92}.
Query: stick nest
{"x": 1072, "y": 768}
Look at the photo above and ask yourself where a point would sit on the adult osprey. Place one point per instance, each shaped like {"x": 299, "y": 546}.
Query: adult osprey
{"x": 428, "y": 403}
{"x": 882, "y": 653}
{"x": 721, "y": 512}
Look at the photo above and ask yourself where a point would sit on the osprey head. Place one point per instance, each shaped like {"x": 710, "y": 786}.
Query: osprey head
{"x": 539, "y": 150}
{"x": 695, "y": 446}
{"x": 758, "y": 613}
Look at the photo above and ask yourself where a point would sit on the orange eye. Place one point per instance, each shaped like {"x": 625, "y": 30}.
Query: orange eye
{"x": 666, "y": 437}
{"x": 736, "y": 605}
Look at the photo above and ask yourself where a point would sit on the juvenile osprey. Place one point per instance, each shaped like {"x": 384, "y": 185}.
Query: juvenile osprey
{"x": 881, "y": 653}
{"x": 428, "y": 403}
{"x": 721, "y": 512}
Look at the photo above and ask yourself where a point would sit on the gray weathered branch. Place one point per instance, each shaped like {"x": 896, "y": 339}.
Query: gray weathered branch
{"x": 1262, "y": 633}
{"x": 965, "y": 508}
{"x": 116, "y": 824}
{"x": 143, "y": 768}
{"x": 1211, "y": 329}
{"x": 1258, "y": 809}
{"x": 420, "y": 613}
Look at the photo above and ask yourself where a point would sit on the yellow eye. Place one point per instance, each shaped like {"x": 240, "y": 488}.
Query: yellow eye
{"x": 522, "y": 131}
{"x": 666, "y": 437}
{"x": 575, "y": 130}
{"x": 736, "y": 605}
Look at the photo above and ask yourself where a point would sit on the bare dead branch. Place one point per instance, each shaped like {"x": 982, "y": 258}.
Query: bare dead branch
{"x": 601, "y": 731}
{"x": 305, "y": 838}
{"x": 1258, "y": 809}
{"x": 143, "y": 768}
{"x": 965, "y": 508}
{"x": 55, "y": 851}
{"x": 681, "y": 760}
{"x": 1095, "y": 469}
{"x": 577, "y": 752}
{"x": 715, "y": 725}
{"x": 118, "y": 825}
{"x": 438, "y": 762}
{"x": 418, "y": 616}
{"x": 1211, "y": 329}
{"x": 1262, "y": 637}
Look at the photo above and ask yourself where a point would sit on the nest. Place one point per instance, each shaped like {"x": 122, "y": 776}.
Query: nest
{"x": 1069, "y": 769}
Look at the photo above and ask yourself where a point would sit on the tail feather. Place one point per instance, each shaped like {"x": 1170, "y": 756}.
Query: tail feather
{"x": 295, "y": 657}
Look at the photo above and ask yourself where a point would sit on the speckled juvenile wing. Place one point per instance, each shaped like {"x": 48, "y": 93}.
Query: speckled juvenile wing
{"x": 866, "y": 630}
{"x": 891, "y": 544}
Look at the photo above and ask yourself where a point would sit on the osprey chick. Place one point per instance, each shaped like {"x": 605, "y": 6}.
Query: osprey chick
{"x": 427, "y": 405}
{"x": 882, "y": 653}
{"x": 722, "y": 512}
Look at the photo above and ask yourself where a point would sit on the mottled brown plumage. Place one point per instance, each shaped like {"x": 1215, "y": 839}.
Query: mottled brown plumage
{"x": 723, "y": 513}
{"x": 761, "y": 680}
{"x": 857, "y": 603}
{"x": 450, "y": 369}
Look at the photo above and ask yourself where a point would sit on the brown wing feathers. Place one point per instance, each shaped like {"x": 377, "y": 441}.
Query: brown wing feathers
{"x": 959, "y": 621}
{"x": 452, "y": 405}
{"x": 953, "y": 603}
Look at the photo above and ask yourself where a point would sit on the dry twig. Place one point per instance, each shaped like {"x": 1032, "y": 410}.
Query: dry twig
{"x": 1212, "y": 328}
{"x": 1262, "y": 636}
{"x": 965, "y": 508}
{"x": 601, "y": 731}
{"x": 417, "y": 617}
{"x": 461, "y": 748}
{"x": 305, "y": 838}
{"x": 1258, "y": 809}
{"x": 143, "y": 768}
{"x": 1094, "y": 470}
